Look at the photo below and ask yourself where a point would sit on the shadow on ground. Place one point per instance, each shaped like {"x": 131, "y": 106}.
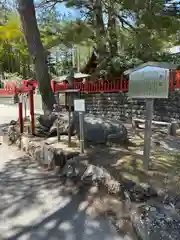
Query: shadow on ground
{"x": 37, "y": 205}
{"x": 127, "y": 163}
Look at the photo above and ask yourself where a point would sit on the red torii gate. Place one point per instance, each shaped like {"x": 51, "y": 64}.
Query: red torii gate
{"x": 17, "y": 92}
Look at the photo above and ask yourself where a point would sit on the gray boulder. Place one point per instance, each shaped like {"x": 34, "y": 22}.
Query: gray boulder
{"x": 47, "y": 120}
{"x": 63, "y": 124}
{"x": 99, "y": 130}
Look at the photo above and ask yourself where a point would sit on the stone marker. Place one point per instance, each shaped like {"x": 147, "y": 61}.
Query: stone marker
{"x": 172, "y": 128}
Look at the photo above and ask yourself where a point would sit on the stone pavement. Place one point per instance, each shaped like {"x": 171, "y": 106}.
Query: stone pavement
{"x": 35, "y": 205}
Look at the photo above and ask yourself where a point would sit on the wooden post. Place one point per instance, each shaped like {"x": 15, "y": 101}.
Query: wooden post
{"x": 25, "y": 108}
{"x": 57, "y": 98}
{"x": 20, "y": 107}
{"x": 53, "y": 85}
{"x": 79, "y": 106}
{"x": 58, "y": 129}
{"x": 147, "y": 134}
{"x": 172, "y": 128}
{"x": 81, "y": 128}
{"x": 69, "y": 119}
{"x": 31, "y": 103}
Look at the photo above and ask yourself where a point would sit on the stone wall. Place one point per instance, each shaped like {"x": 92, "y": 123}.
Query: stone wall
{"x": 121, "y": 107}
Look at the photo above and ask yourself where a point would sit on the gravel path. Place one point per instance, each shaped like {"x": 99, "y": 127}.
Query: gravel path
{"x": 35, "y": 205}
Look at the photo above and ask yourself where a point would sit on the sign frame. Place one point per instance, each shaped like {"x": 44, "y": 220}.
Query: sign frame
{"x": 79, "y": 105}
{"x": 149, "y": 83}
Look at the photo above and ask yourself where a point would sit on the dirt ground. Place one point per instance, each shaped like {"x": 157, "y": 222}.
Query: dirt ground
{"x": 163, "y": 175}
{"x": 126, "y": 161}
{"x": 164, "y": 172}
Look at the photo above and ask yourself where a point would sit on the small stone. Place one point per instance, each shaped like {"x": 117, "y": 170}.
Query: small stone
{"x": 38, "y": 155}
{"x": 93, "y": 174}
{"x": 13, "y": 133}
{"x": 71, "y": 169}
{"x": 24, "y": 143}
{"x": 49, "y": 154}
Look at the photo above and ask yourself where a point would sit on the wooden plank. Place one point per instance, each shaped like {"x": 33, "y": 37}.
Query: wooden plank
{"x": 138, "y": 120}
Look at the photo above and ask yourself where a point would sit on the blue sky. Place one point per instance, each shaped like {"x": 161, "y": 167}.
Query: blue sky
{"x": 61, "y": 8}
{"x": 64, "y": 10}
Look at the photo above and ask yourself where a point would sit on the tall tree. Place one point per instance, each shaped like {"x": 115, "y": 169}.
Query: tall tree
{"x": 27, "y": 13}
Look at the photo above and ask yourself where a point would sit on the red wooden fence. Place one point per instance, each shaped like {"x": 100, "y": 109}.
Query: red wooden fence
{"x": 12, "y": 91}
{"x": 119, "y": 85}
{"x": 100, "y": 86}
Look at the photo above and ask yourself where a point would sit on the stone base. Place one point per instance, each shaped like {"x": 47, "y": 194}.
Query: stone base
{"x": 48, "y": 152}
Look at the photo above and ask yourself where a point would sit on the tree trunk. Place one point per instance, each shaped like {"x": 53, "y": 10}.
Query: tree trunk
{"x": 113, "y": 46}
{"x": 29, "y": 24}
{"x": 100, "y": 31}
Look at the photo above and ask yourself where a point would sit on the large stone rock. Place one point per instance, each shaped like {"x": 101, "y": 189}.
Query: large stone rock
{"x": 97, "y": 130}
{"x": 47, "y": 120}
{"x": 63, "y": 124}
{"x": 100, "y": 130}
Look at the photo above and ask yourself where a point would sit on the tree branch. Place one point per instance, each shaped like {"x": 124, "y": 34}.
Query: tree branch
{"x": 123, "y": 21}
{"x": 50, "y": 3}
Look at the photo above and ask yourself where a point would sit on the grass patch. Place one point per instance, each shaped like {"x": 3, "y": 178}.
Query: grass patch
{"x": 120, "y": 162}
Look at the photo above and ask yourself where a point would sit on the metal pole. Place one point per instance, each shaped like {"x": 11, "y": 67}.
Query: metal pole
{"x": 148, "y": 133}
{"x": 81, "y": 128}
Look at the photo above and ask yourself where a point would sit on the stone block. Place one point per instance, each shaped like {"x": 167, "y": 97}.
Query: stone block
{"x": 24, "y": 143}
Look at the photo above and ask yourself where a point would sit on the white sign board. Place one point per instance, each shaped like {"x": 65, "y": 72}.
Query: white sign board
{"x": 149, "y": 82}
{"x": 79, "y": 105}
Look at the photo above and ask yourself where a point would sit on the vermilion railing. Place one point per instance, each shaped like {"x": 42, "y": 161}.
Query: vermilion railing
{"x": 4, "y": 91}
{"x": 12, "y": 91}
{"x": 100, "y": 86}
{"x": 119, "y": 85}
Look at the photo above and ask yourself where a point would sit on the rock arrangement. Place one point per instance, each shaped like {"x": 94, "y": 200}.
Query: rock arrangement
{"x": 45, "y": 154}
{"x": 119, "y": 106}
{"x": 99, "y": 176}
{"x": 13, "y": 133}
{"x": 97, "y": 130}
{"x": 151, "y": 219}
